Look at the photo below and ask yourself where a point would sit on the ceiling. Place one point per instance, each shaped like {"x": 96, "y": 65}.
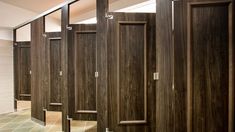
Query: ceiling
{"x": 37, "y": 6}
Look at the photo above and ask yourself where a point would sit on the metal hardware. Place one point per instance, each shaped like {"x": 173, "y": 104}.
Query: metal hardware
{"x": 108, "y": 16}
{"x": 30, "y": 72}
{"x": 61, "y": 73}
{"x": 96, "y": 74}
{"x": 156, "y": 76}
{"x": 44, "y": 35}
{"x": 15, "y": 44}
{"x": 44, "y": 109}
{"x": 69, "y": 28}
{"x": 107, "y": 130}
{"x": 173, "y": 87}
{"x": 68, "y": 118}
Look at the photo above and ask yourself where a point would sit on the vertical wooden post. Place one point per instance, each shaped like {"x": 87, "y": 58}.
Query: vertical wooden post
{"x": 64, "y": 66}
{"x": 164, "y": 94}
{"x": 102, "y": 65}
{"x": 15, "y": 52}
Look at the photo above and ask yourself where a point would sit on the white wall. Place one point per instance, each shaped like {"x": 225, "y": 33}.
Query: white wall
{"x": 6, "y": 77}
{"x": 6, "y": 34}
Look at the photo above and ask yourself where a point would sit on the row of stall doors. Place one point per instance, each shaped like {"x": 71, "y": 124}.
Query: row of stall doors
{"x": 132, "y": 64}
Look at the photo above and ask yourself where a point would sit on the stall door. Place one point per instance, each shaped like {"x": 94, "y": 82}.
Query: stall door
{"x": 203, "y": 36}
{"x": 54, "y": 65}
{"x": 82, "y": 98}
{"x": 24, "y": 71}
{"x": 132, "y": 64}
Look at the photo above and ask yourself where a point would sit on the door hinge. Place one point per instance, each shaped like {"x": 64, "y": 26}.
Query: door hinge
{"x": 156, "y": 76}
{"x": 107, "y": 130}
{"x": 107, "y": 16}
{"x": 30, "y": 72}
{"x": 61, "y": 73}
{"x": 96, "y": 74}
{"x": 68, "y": 118}
{"x": 69, "y": 28}
{"x": 44, "y": 35}
{"x": 173, "y": 87}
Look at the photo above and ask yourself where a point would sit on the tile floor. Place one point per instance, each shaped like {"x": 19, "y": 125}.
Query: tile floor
{"x": 21, "y": 122}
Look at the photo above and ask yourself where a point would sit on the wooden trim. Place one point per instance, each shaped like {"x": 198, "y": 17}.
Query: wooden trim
{"x": 25, "y": 95}
{"x": 86, "y": 32}
{"x": 56, "y": 104}
{"x": 231, "y": 120}
{"x": 86, "y": 112}
{"x": 189, "y": 63}
{"x": 54, "y": 38}
{"x": 75, "y": 76}
{"x": 145, "y": 72}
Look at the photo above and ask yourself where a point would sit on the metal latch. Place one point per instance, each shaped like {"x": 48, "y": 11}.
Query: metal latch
{"x": 96, "y": 74}
{"x": 156, "y": 76}
{"x": 61, "y": 73}
{"x": 30, "y": 72}
{"x": 107, "y": 16}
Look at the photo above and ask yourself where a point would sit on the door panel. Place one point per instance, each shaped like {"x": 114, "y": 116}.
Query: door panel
{"x": 24, "y": 71}
{"x": 83, "y": 94}
{"x": 208, "y": 80}
{"x": 132, "y": 62}
{"x": 54, "y": 65}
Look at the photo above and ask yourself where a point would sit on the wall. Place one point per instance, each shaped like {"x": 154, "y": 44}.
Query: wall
{"x": 6, "y": 75}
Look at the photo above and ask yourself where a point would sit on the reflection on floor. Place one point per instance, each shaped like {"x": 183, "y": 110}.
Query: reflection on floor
{"x": 83, "y": 126}
{"x": 21, "y": 122}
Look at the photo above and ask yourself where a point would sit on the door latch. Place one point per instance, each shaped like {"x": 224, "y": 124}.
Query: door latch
{"x": 30, "y": 72}
{"x": 107, "y": 16}
{"x": 69, "y": 28}
{"x": 96, "y": 74}
{"x": 156, "y": 76}
{"x": 61, "y": 73}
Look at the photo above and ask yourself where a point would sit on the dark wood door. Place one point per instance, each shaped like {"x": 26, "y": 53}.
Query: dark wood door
{"x": 24, "y": 71}
{"x": 132, "y": 63}
{"x": 204, "y": 65}
{"x": 82, "y": 97}
{"x": 53, "y": 99}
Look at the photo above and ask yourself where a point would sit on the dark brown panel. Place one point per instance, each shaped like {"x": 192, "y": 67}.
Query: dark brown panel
{"x": 102, "y": 65}
{"x": 15, "y": 62}
{"x": 24, "y": 71}
{"x": 131, "y": 76}
{"x": 83, "y": 94}
{"x": 131, "y": 64}
{"x": 39, "y": 78}
{"x": 53, "y": 42}
{"x": 65, "y": 62}
{"x": 208, "y": 66}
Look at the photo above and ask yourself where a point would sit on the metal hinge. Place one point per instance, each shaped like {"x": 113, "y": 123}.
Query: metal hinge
{"x": 173, "y": 87}
{"x": 61, "y": 73}
{"x": 107, "y": 16}
{"x": 30, "y": 72}
{"x": 107, "y": 130}
{"x": 68, "y": 118}
{"x": 44, "y": 35}
{"x": 96, "y": 74}
{"x": 69, "y": 28}
{"x": 156, "y": 76}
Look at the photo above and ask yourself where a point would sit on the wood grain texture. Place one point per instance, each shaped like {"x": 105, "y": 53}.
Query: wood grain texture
{"x": 208, "y": 66}
{"x": 53, "y": 52}
{"x": 205, "y": 27}
{"x": 83, "y": 95}
{"x": 164, "y": 92}
{"x": 39, "y": 78}
{"x": 102, "y": 65}
{"x": 24, "y": 65}
{"x": 67, "y": 73}
{"x": 131, "y": 64}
